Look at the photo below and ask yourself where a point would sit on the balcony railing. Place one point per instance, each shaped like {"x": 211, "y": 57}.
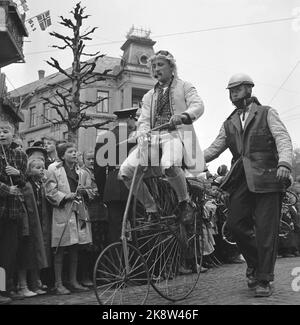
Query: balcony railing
{"x": 12, "y": 32}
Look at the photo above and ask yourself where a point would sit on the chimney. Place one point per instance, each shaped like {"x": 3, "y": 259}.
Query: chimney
{"x": 41, "y": 74}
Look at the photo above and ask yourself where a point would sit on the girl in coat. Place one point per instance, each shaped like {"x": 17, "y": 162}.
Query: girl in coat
{"x": 32, "y": 253}
{"x": 67, "y": 187}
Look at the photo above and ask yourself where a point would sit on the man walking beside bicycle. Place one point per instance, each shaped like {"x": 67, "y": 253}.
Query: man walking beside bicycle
{"x": 175, "y": 102}
{"x": 262, "y": 157}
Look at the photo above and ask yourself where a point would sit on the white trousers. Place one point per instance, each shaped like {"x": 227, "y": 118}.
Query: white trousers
{"x": 148, "y": 155}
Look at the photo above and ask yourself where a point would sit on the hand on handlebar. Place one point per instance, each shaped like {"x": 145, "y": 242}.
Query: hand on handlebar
{"x": 177, "y": 119}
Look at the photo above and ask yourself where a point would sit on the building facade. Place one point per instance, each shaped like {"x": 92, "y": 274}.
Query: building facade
{"x": 12, "y": 32}
{"x": 123, "y": 87}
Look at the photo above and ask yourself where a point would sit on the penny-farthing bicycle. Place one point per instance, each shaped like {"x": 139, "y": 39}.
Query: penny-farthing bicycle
{"x": 165, "y": 254}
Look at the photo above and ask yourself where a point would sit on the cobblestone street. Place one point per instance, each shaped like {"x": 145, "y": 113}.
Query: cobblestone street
{"x": 224, "y": 285}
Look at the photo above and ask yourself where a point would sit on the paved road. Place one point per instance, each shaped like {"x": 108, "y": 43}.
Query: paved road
{"x": 225, "y": 285}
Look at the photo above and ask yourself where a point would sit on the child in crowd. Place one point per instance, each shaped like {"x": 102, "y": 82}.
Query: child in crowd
{"x": 50, "y": 146}
{"x": 67, "y": 187}
{"x": 32, "y": 253}
{"x": 37, "y": 179}
{"x": 13, "y": 164}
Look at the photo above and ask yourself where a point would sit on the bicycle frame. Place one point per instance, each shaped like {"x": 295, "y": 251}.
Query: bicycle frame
{"x": 125, "y": 216}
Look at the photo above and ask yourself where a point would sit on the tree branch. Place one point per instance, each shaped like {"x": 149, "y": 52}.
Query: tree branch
{"x": 49, "y": 101}
{"x": 66, "y": 22}
{"x": 88, "y": 33}
{"x": 56, "y": 65}
{"x": 89, "y": 104}
{"x": 96, "y": 125}
{"x": 60, "y": 47}
{"x": 60, "y": 36}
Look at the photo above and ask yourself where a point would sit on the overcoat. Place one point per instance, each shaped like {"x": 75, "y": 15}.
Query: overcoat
{"x": 65, "y": 226}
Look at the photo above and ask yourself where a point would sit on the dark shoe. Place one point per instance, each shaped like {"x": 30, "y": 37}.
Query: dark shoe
{"x": 252, "y": 282}
{"x": 287, "y": 255}
{"x": 237, "y": 260}
{"x": 87, "y": 283}
{"x": 5, "y": 300}
{"x": 207, "y": 265}
{"x": 15, "y": 295}
{"x": 263, "y": 290}
{"x": 77, "y": 288}
{"x": 186, "y": 212}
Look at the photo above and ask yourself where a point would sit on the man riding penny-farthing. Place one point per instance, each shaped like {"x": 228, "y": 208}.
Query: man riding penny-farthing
{"x": 161, "y": 243}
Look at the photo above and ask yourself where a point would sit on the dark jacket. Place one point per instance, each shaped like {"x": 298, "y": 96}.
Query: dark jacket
{"x": 33, "y": 251}
{"x": 259, "y": 148}
{"x": 109, "y": 186}
{"x": 254, "y": 149}
{"x": 10, "y": 205}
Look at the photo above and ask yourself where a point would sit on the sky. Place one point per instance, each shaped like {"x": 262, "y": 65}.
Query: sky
{"x": 207, "y": 41}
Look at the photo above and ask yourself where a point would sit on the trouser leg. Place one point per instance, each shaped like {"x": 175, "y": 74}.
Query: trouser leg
{"x": 241, "y": 223}
{"x": 267, "y": 218}
{"x": 178, "y": 182}
{"x": 141, "y": 192}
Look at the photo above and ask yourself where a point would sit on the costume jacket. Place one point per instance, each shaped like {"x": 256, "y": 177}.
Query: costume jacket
{"x": 260, "y": 148}
{"x": 183, "y": 99}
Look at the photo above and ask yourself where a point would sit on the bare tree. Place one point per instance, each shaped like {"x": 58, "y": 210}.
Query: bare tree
{"x": 66, "y": 101}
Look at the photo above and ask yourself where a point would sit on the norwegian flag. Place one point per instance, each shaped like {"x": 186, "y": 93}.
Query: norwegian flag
{"x": 31, "y": 23}
{"x": 44, "y": 19}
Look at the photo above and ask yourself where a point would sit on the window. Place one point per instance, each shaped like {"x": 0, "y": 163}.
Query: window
{"x": 32, "y": 117}
{"x": 102, "y": 107}
{"x": 46, "y": 113}
{"x": 65, "y": 135}
{"x": 137, "y": 97}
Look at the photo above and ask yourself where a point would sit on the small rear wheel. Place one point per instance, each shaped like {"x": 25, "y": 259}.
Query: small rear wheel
{"x": 118, "y": 282}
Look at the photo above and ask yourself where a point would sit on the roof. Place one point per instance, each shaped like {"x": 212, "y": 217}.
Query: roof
{"x": 104, "y": 63}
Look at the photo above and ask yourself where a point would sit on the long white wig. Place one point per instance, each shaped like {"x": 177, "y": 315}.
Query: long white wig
{"x": 166, "y": 56}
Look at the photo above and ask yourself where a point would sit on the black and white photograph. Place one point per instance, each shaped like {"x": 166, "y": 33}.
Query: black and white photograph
{"x": 149, "y": 155}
